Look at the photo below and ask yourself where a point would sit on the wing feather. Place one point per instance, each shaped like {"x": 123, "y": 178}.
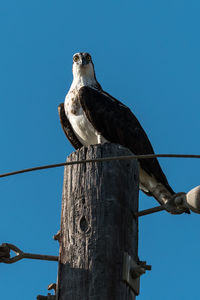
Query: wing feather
{"x": 116, "y": 123}
{"x": 67, "y": 128}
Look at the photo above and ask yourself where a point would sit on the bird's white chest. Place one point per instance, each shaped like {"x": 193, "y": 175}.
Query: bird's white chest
{"x": 83, "y": 129}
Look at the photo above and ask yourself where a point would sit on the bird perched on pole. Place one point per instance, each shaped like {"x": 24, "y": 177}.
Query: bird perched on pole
{"x": 90, "y": 116}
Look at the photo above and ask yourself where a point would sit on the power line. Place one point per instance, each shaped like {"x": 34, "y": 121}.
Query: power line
{"x": 145, "y": 156}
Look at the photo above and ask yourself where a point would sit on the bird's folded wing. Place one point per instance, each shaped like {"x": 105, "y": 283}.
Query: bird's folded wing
{"x": 67, "y": 128}
{"x": 116, "y": 123}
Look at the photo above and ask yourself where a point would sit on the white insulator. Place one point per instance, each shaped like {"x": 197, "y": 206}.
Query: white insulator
{"x": 193, "y": 199}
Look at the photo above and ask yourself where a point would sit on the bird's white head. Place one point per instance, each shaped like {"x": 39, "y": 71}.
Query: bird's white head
{"x": 83, "y": 71}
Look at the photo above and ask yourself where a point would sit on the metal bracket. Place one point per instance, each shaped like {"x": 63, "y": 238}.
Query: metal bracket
{"x": 5, "y": 254}
{"x": 149, "y": 211}
{"x": 132, "y": 271}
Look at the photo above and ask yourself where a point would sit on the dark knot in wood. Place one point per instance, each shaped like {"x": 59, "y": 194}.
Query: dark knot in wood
{"x": 83, "y": 224}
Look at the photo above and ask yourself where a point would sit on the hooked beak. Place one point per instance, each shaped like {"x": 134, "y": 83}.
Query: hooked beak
{"x": 83, "y": 61}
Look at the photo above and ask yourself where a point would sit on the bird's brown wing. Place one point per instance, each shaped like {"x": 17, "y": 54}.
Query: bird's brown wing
{"x": 67, "y": 128}
{"x": 117, "y": 124}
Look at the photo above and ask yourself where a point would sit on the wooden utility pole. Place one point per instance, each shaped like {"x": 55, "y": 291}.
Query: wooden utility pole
{"x": 99, "y": 234}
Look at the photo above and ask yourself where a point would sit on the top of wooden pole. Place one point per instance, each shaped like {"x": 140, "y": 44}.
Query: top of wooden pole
{"x": 97, "y": 225}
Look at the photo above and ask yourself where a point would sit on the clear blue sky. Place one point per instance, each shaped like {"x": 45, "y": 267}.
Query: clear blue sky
{"x": 146, "y": 54}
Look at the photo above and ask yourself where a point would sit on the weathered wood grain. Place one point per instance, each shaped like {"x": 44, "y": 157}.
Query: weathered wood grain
{"x": 97, "y": 225}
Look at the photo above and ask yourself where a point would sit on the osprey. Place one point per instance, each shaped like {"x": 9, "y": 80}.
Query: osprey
{"x": 90, "y": 116}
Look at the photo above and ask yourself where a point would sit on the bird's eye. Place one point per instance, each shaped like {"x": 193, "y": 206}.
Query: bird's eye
{"x": 76, "y": 58}
{"x": 88, "y": 57}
